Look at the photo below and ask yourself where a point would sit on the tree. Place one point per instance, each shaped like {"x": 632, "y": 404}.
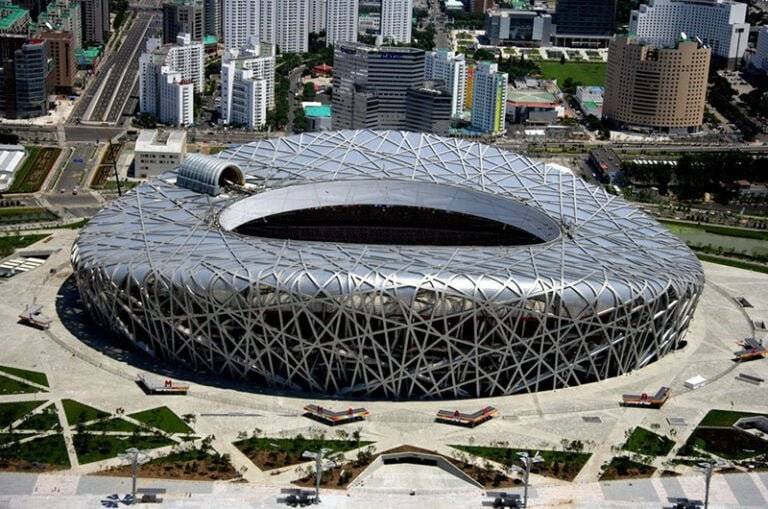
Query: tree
{"x": 299, "y": 120}
{"x": 309, "y": 91}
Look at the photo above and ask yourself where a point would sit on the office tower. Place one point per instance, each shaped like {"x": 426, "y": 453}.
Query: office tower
{"x": 212, "y": 17}
{"x": 169, "y": 75}
{"x": 63, "y": 15}
{"x": 183, "y": 17}
{"x": 95, "y": 20}
{"x": 428, "y": 109}
{"x": 489, "y": 100}
{"x": 316, "y": 16}
{"x": 31, "y": 78}
{"x": 718, "y": 23}
{"x": 247, "y": 84}
{"x": 451, "y": 69}
{"x": 760, "y": 59}
{"x": 61, "y": 49}
{"x": 341, "y": 21}
{"x": 370, "y": 84}
{"x": 396, "y": 17}
{"x": 585, "y": 17}
{"x": 659, "y": 88}
{"x": 13, "y": 19}
{"x": 506, "y": 27}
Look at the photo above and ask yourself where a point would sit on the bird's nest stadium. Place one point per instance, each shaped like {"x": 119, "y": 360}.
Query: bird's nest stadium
{"x": 387, "y": 265}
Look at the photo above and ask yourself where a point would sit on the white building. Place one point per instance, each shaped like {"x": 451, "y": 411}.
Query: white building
{"x": 316, "y": 16}
{"x": 169, "y": 76}
{"x": 11, "y": 157}
{"x": 760, "y": 58}
{"x": 718, "y": 23}
{"x": 247, "y": 85}
{"x": 489, "y": 99}
{"x": 396, "y": 16}
{"x": 291, "y": 26}
{"x": 241, "y": 20}
{"x": 450, "y": 68}
{"x": 341, "y": 21}
{"x": 158, "y": 151}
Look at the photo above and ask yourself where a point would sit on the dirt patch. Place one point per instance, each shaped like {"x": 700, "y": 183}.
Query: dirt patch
{"x": 190, "y": 470}
{"x": 621, "y": 467}
{"x": 28, "y": 466}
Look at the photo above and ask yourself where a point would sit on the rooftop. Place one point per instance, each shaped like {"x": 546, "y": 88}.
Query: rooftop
{"x": 156, "y": 140}
{"x": 531, "y": 96}
{"x": 11, "y": 14}
{"x": 317, "y": 111}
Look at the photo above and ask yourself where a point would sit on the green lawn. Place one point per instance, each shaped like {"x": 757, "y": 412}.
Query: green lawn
{"x": 45, "y": 420}
{"x": 724, "y": 417}
{"x": 564, "y": 465}
{"x": 34, "y": 169}
{"x": 584, "y": 73}
{"x": 92, "y": 447}
{"x": 163, "y": 418}
{"x": 9, "y": 386}
{"x": 10, "y": 243}
{"x": 115, "y": 424}
{"x": 649, "y": 443}
{"x": 77, "y": 412}
{"x": 7, "y": 438}
{"x": 50, "y": 450}
{"x": 12, "y": 215}
{"x": 9, "y": 412}
{"x": 33, "y": 376}
{"x": 727, "y": 443}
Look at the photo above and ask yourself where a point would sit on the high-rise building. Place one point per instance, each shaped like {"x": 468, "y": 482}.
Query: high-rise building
{"x": 587, "y": 18}
{"x": 62, "y": 15}
{"x": 489, "y": 99}
{"x": 505, "y": 27}
{"x": 247, "y": 84}
{"x": 720, "y": 24}
{"x": 316, "y": 16}
{"x": 31, "y": 72}
{"x": 291, "y": 26}
{"x": 480, "y": 6}
{"x": 212, "y": 17}
{"x": 13, "y": 19}
{"x": 396, "y": 19}
{"x": 61, "y": 50}
{"x": 169, "y": 75}
{"x": 267, "y": 15}
{"x": 760, "y": 59}
{"x": 183, "y": 17}
{"x": 428, "y": 109}
{"x": 470, "y": 88}
{"x": 659, "y": 88}
{"x": 241, "y": 22}
{"x": 341, "y": 21}
{"x": 370, "y": 84}
{"x": 95, "y": 20}
{"x": 451, "y": 69}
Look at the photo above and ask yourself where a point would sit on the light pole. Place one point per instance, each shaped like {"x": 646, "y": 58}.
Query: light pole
{"x": 527, "y": 461}
{"x": 136, "y": 457}
{"x": 320, "y": 467}
{"x": 708, "y": 467}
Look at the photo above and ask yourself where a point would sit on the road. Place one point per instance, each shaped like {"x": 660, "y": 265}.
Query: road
{"x": 75, "y": 168}
{"x": 109, "y": 90}
{"x": 437, "y": 18}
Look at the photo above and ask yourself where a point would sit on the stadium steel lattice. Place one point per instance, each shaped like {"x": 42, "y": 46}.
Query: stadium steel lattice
{"x": 387, "y": 264}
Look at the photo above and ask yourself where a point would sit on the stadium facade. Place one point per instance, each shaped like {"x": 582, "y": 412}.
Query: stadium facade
{"x": 388, "y": 265}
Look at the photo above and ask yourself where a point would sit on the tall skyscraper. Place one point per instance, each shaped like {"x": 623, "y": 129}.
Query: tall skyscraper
{"x": 95, "y": 20}
{"x": 183, "y": 17}
{"x": 428, "y": 109}
{"x": 451, "y": 69}
{"x": 341, "y": 21}
{"x": 63, "y": 15}
{"x": 760, "y": 58}
{"x": 212, "y": 17}
{"x": 31, "y": 72}
{"x": 61, "y": 50}
{"x": 316, "y": 16}
{"x": 169, "y": 75}
{"x": 489, "y": 101}
{"x": 247, "y": 85}
{"x": 720, "y": 24}
{"x": 291, "y": 26}
{"x": 241, "y": 22}
{"x": 660, "y": 88}
{"x": 370, "y": 85}
{"x": 396, "y": 18}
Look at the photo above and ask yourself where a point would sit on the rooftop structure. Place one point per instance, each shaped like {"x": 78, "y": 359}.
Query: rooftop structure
{"x": 13, "y": 19}
{"x": 10, "y": 161}
{"x": 158, "y": 151}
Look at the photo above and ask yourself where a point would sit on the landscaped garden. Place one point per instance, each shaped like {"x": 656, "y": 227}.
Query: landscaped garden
{"x": 163, "y": 418}
{"x": 716, "y": 435}
{"x": 39, "y": 455}
{"x": 34, "y": 170}
{"x": 92, "y": 447}
{"x": 32, "y": 376}
{"x": 77, "y": 412}
{"x": 10, "y": 243}
{"x": 581, "y": 73}
{"x": 17, "y": 215}
{"x": 648, "y": 443}
{"x": 20, "y": 449}
{"x": 11, "y": 386}
{"x": 623, "y": 467}
{"x": 564, "y": 465}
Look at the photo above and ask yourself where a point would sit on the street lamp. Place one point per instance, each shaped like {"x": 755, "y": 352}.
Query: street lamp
{"x": 527, "y": 461}
{"x": 136, "y": 457}
{"x": 708, "y": 468}
{"x": 320, "y": 467}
